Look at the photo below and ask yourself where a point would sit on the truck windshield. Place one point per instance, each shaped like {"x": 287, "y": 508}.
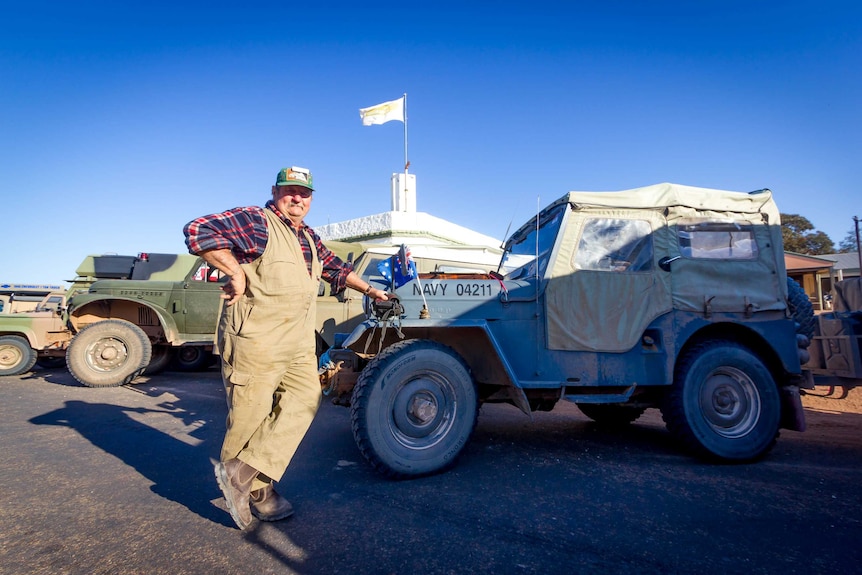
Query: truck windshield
{"x": 527, "y": 251}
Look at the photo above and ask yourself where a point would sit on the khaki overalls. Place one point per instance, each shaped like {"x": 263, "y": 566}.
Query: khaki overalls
{"x": 267, "y": 345}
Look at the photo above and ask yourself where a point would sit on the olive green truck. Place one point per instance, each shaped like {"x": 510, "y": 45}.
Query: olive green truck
{"x": 125, "y": 316}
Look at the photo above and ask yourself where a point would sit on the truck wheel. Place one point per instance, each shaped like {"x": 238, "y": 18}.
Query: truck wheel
{"x": 611, "y": 414}
{"x": 413, "y": 409}
{"x": 16, "y": 355}
{"x": 162, "y": 356}
{"x": 108, "y": 353}
{"x": 801, "y": 309}
{"x": 724, "y": 404}
{"x": 192, "y": 358}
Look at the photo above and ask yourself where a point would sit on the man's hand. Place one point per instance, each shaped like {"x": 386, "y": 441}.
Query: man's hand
{"x": 234, "y": 288}
{"x": 223, "y": 260}
{"x": 377, "y": 294}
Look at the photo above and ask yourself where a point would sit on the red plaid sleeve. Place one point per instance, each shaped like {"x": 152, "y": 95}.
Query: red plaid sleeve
{"x": 241, "y": 230}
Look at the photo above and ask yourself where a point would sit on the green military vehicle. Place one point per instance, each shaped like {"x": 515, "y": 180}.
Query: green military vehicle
{"x": 163, "y": 309}
{"x": 168, "y": 308}
{"x": 36, "y": 331}
{"x": 670, "y": 297}
{"x": 31, "y": 327}
{"x": 17, "y": 298}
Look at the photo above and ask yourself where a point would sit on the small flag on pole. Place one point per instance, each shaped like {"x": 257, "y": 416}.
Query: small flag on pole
{"x": 398, "y": 269}
{"x": 382, "y": 113}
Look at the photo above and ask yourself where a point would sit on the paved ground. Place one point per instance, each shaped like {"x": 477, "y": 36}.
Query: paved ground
{"x": 117, "y": 481}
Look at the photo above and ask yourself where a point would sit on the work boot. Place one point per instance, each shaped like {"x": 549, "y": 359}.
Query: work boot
{"x": 234, "y": 479}
{"x": 267, "y": 505}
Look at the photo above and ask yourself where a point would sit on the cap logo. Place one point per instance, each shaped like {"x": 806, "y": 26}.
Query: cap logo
{"x": 297, "y": 174}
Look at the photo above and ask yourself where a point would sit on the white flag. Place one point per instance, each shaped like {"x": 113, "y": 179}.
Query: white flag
{"x": 382, "y": 113}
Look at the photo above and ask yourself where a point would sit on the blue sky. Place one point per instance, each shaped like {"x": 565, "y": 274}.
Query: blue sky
{"x": 121, "y": 121}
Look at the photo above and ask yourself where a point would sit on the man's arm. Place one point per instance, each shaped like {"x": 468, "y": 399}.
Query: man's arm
{"x": 219, "y": 238}
{"x": 357, "y": 283}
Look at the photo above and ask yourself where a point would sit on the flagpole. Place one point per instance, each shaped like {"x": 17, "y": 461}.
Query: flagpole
{"x": 406, "y": 161}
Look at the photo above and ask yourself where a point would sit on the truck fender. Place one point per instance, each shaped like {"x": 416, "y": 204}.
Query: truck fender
{"x": 425, "y": 329}
{"x": 91, "y": 306}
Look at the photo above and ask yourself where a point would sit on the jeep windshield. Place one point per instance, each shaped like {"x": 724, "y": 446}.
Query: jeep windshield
{"x": 527, "y": 251}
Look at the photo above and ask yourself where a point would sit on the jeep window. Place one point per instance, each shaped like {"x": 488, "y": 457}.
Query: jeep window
{"x": 717, "y": 240}
{"x": 207, "y": 273}
{"x": 614, "y": 245}
{"x": 519, "y": 260}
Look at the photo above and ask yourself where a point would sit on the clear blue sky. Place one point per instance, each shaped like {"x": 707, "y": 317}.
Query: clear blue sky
{"x": 122, "y": 120}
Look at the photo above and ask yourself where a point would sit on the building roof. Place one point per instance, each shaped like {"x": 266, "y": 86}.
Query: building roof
{"x": 805, "y": 263}
{"x": 848, "y": 261}
{"x": 405, "y": 227}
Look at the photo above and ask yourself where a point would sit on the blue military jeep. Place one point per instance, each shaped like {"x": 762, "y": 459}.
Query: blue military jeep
{"x": 665, "y": 296}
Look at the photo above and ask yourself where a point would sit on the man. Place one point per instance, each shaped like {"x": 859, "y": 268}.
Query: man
{"x": 266, "y": 336}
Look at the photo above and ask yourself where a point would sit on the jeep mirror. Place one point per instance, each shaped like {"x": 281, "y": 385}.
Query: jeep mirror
{"x": 665, "y": 262}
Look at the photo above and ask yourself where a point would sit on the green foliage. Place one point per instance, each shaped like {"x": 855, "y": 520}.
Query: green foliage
{"x": 800, "y": 236}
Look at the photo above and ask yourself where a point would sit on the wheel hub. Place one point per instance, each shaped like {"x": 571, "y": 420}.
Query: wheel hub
{"x": 107, "y": 354}
{"x": 730, "y": 402}
{"x": 9, "y": 356}
{"x": 422, "y": 411}
{"x": 423, "y": 408}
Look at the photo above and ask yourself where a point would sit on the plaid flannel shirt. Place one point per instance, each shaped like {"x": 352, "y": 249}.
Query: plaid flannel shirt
{"x": 244, "y": 231}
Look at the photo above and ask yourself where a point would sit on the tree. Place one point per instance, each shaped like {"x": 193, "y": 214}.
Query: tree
{"x": 848, "y": 244}
{"x": 800, "y": 236}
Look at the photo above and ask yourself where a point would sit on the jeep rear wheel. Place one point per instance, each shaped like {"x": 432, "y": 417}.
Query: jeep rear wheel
{"x": 16, "y": 355}
{"x": 724, "y": 403}
{"x": 413, "y": 409}
{"x": 108, "y": 353}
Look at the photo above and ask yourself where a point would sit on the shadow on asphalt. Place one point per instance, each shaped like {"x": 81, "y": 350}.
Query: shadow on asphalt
{"x": 179, "y": 471}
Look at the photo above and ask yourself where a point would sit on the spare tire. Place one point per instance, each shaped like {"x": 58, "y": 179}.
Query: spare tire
{"x": 801, "y": 309}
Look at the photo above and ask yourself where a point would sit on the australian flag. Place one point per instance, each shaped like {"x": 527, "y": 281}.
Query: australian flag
{"x": 398, "y": 269}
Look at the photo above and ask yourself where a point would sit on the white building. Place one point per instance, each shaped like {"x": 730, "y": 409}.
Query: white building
{"x": 426, "y": 235}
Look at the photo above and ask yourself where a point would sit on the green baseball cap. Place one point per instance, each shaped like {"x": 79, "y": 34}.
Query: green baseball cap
{"x": 294, "y": 176}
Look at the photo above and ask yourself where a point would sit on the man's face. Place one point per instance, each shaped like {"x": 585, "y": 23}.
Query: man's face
{"x": 292, "y": 201}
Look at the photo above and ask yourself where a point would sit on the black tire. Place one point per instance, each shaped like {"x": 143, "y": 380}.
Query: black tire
{"x": 108, "y": 353}
{"x": 611, "y": 414}
{"x": 724, "y": 404}
{"x": 51, "y": 362}
{"x": 413, "y": 409}
{"x": 192, "y": 358}
{"x": 801, "y": 309}
{"x": 16, "y": 355}
{"x": 161, "y": 358}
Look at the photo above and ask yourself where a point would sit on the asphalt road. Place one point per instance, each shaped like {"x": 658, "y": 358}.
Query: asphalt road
{"x": 119, "y": 480}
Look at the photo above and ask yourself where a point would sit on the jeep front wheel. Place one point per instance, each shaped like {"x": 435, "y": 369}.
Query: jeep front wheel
{"x": 724, "y": 404}
{"x": 16, "y": 355}
{"x": 108, "y": 353}
{"x": 413, "y": 409}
